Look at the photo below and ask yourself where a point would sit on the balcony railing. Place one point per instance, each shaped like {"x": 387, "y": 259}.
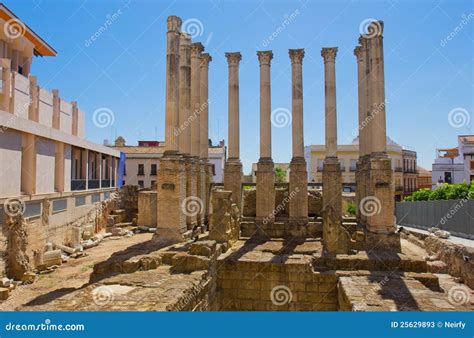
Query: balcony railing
{"x": 78, "y": 185}
{"x": 94, "y": 184}
{"x": 410, "y": 171}
{"x": 398, "y": 169}
{"x": 106, "y": 183}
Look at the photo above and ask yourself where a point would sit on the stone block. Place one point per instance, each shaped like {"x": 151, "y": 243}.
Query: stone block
{"x": 4, "y": 293}
{"x": 147, "y": 204}
{"x": 233, "y": 180}
{"x": 185, "y": 263}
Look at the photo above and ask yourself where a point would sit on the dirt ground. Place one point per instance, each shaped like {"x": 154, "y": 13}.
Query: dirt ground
{"x": 70, "y": 275}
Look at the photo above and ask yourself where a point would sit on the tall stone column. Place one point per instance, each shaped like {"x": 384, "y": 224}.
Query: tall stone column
{"x": 233, "y": 166}
{"x": 204, "y": 137}
{"x": 362, "y": 171}
{"x": 265, "y": 170}
{"x": 379, "y": 203}
{"x": 171, "y": 178}
{"x": 335, "y": 237}
{"x": 298, "y": 194}
{"x": 184, "y": 130}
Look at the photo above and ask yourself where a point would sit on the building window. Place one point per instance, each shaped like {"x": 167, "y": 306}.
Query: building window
{"x": 140, "y": 183}
{"x": 153, "y": 183}
{"x": 141, "y": 170}
{"x": 153, "y": 170}
{"x": 472, "y": 165}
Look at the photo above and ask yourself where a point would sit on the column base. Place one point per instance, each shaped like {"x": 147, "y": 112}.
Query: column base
{"x": 336, "y": 239}
{"x": 383, "y": 242}
{"x": 379, "y": 204}
{"x": 298, "y": 191}
{"x": 201, "y": 191}
{"x": 233, "y": 180}
{"x": 171, "y": 193}
{"x": 361, "y": 174}
{"x": 265, "y": 209}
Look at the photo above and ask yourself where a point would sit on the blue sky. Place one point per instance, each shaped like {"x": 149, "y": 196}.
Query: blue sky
{"x": 123, "y": 70}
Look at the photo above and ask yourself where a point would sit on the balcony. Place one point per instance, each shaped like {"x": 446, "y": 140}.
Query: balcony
{"x": 398, "y": 169}
{"x": 78, "y": 185}
{"x": 94, "y": 184}
{"x": 410, "y": 171}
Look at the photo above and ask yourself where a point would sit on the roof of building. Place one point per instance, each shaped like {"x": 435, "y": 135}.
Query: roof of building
{"x": 42, "y": 48}
{"x": 422, "y": 170}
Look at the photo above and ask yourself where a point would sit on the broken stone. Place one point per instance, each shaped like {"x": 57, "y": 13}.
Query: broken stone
{"x": 442, "y": 234}
{"x": 203, "y": 248}
{"x": 4, "y": 293}
{"x": 5, "y": 282}
{"x": 184, "y": 263}
{"x": 52, "y": 258}
{"x": 28, "y": 277}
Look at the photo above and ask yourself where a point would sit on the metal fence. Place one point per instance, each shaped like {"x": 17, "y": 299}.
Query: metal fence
{"x": 455, "y": 216}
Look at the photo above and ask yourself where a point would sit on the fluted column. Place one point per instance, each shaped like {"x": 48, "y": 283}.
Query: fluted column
{"x": 233, "y": 166}
{"x": 196, "y": 50}
{"x": 264, "y": 58}
{"x": 184, "y": 131}
{"x": 329, "y": 56}
{"x": 233, "y": 60}
{"x": 171, "y": 176}
{"x": 265, "y": 171}
{"x": 374, "y": 39}
{"x": 172, "y": 84}
{"x": 360, "y": 53}
{"x": 296, "y": 56}
{"x": 204, "y": 180}
{"x": 298, "y": 175}
{"x": 204, "y": 101}
{"x": 336, "y": 239}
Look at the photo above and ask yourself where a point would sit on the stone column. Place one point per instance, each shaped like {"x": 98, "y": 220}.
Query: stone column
{"x": 379, "y": 203}
{"x": 183, "y": 131}
{"x": 233, "y": 166}
{"x": 171, "y": 187}
{"x": 265, "y": 170}
{"x": 335, "y": 237}
{"x": 298, "y": 194}
{"x": 172, "y": 84}
{"x": 56, "y": 109}
{"x": 204, "y": 136}
{"x": 185, "y": 122}
{"x": 33, "y": 112}
{"x": 362, "y": 171}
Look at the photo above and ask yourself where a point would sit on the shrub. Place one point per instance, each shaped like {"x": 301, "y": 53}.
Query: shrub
{"x": 351, "y": 209}
{"x": 421, "y": 195}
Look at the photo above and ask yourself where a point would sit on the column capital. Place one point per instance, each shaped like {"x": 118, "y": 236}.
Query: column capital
{"x": 196, "y": 49}
{"x": 265, "y": 57}
{"x": 373, "y": 29}
{"x": 205, "y": 59}
{"x": 296, "y": 55}
{"x": 359, "y": 53}
{"x": 174, "y": 24}
{"x": 233, "y": 58}
{"x": 185, "y": 40}
{"x": 329, "y": 54}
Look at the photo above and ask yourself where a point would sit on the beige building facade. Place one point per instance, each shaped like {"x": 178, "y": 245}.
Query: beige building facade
{"x": 348, "y": 155}
{"x": 43, "y": 150}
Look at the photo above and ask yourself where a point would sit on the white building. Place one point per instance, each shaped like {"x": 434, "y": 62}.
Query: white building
{"x": 43, "y": 150}
{"x": 455, "y": 165}
{"x": 143, "y": 161}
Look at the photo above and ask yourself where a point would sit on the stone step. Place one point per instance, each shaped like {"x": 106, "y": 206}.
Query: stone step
{"x": 123, "y": 224}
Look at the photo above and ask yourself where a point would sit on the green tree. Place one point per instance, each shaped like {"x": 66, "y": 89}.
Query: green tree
{"x": 280, "y": 175}
{"x": 421, "y": 195}
{"x": 351, "y": 209}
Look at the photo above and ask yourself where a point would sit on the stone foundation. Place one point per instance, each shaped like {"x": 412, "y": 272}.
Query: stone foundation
{"x": 298, "y": 191}
{"x": 265, "y": 204}
{"x": 191, "y": 167}
{"x": 171, "y": 193}
{"x": 233, "y": 180}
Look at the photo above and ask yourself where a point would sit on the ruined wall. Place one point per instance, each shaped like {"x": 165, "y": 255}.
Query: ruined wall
{"x": 146, "y": 208}
{"x": 279, "y": 286}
